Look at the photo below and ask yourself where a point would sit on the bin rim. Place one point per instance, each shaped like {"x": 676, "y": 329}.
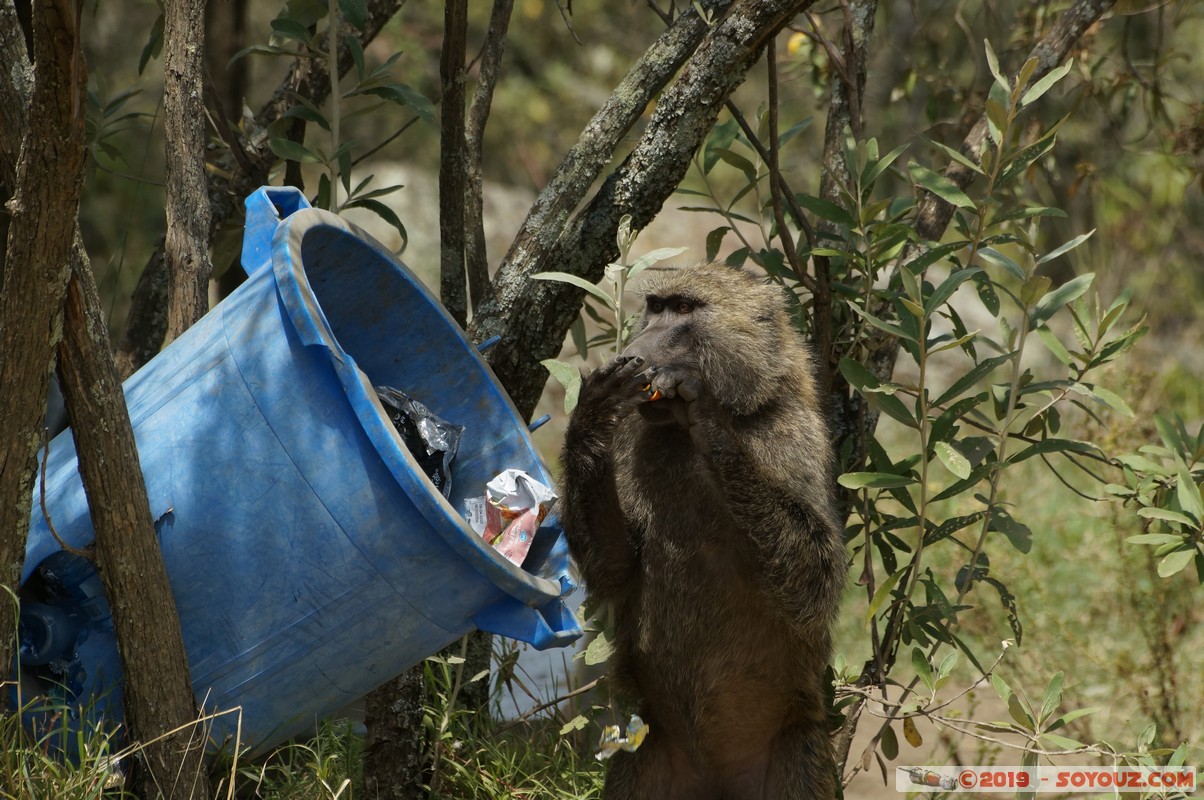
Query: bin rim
{"x": 312, "y": 327}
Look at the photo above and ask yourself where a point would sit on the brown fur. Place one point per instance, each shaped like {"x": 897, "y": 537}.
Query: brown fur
{"x": 707, "y": 521}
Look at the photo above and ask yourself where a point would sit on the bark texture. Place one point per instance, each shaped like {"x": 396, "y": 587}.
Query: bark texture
{"x": 47, "y": 183}
{"x": 396, "y": 763}
{"x": 187, "y": 241}
{"x": 532, "y": 317}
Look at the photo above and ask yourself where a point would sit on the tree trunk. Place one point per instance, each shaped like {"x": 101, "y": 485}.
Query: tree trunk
{"x": 188, "y": 215}
{"x": 158, "y": 692}
{"x": 47, "y": 185}
{"x": 396, "y": 763}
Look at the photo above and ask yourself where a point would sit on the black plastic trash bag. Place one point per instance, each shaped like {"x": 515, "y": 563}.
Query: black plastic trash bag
{"x": 432, "y": 441}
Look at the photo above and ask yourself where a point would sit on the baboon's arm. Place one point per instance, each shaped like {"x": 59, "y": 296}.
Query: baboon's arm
{"x": 593, "y": 519}
{"x": 780, "y": 498}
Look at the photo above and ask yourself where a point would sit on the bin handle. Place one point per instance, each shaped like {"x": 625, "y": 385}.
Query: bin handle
{"x": 550, "y": 625}
{"x": 266, "y": 208}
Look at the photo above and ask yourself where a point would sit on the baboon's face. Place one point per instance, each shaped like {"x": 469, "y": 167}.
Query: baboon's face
{"x": 668, "y": 340}
{"x": 668, "y": 334}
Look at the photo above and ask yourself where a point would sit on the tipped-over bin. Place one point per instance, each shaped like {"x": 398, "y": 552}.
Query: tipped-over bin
{"x": 311, "y": 560}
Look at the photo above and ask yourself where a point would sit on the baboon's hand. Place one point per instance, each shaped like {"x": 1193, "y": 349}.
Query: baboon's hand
{"x": 680, "y": 393}
{"x": 616, "y": 388}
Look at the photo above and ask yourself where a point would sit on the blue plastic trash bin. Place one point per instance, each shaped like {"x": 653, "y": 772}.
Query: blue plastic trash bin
{"x": 310, "y": 558}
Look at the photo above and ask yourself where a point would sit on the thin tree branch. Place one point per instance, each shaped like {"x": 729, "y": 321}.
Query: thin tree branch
{"x": 475, "y": 256}
{"x": 452, "y": 184}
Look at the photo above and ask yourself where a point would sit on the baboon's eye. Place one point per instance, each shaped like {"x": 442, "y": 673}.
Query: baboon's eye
{"x": 685, "y": 307}
{"x": 656, "y": 305}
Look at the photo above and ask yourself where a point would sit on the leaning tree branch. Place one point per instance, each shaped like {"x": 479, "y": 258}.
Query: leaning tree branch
{"x": 532, "y": 317}
{"x": 229, "y": 184}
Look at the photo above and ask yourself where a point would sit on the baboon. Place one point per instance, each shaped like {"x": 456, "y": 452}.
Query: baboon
{"x": 706, "y": 519}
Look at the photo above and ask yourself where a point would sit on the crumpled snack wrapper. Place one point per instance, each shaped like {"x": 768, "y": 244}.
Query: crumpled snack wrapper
{"x": 613, "y": 741}
{"x": 514, "y": 506}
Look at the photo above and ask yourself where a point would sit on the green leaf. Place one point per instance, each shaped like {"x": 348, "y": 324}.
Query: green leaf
{"x": 293, "y": 151}
{"x": 1063, "y": 742}
{"x": 357, "y": 55}
{"x": 403, "y": 95}
{"x": 881, "y": 593}
{"x": 308, "y": 114}
{"x": 1070, "y": 716}
{"x": 1054, "y": 345}
{"x": 882, "y": 325}
{"x": 986, "y": 293}
{"x": 1021, "y": 161}
{"x": 971, "y": 378}
{"x": 889, "y": 744}
{"x": 291, "y": 29}
{"x": 738, "y": 161}
{"x": 919, "y": 663}
{"x": 1112, "y": 400}
{"x": 1188, "y": 494}
{"x": 1019, "y": 713}
{"x": 154, "y": 44}
{"x": 384, "y": 212}
{"x": 874, "y": 169}
{"x": 933, "y": 255}
{"x": 892, "y": 407}
{"x": 793, "y": 131}
{"x": 955, "y": 155}
{"x": 1017, "y": 533}
{"x": 874, "y": 480}
{"x": 577, "y": 723}
{"x": 579, "y": 282}
{"x": 648, "y": 259}
{"x": 567, "y": 376}
{"x": 1053, "y": 695}
{"x": 715, "y": 241}
{"x": 1001, "y": 687}
{"x": 720, "y": 137}
{"x": 950, "y": 285}
{"x": 825, "y": 209}
{"x": 1058, "y": 252}
{"x": 1046, "y": 446}
{"x": 1175, "y": 562}
{"x": 993, "y": 256}
{"x": 993, "y": 64}
{"x": 1160, "y": 538}
{"x": 1049, "y": 304}
{"x": 954, "y": 461}
{"x": 599, "y": 650}
{"x": 355, "y": 12}
{"x": 939, "y": 185}
{"x": 859, "y": 376}
{"x": 1046, "y": 83}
